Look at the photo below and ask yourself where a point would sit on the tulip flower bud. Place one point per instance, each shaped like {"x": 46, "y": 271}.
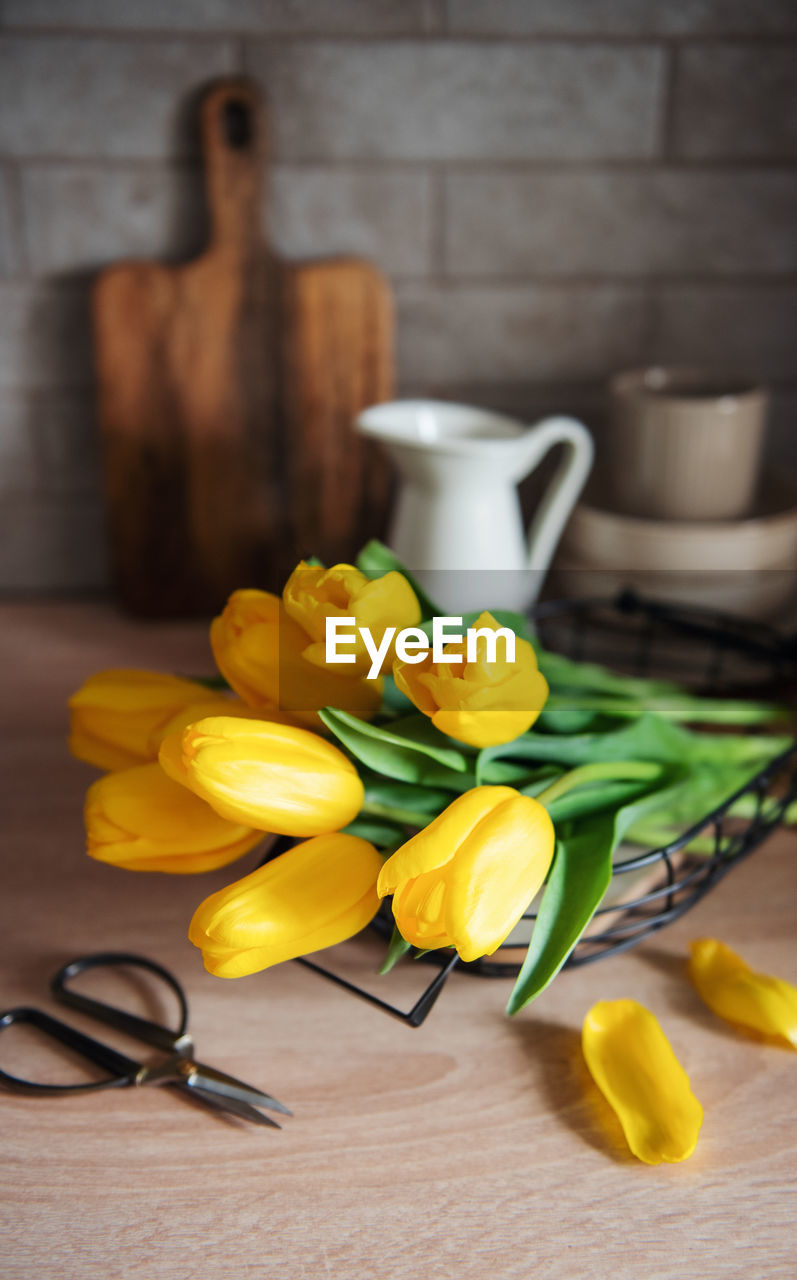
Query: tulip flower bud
{"x": 466, "y": 879}
{"x": 316, "y": 894}
{"x": 118, "y": 718}
{"x": 258, "y": 649}
{"x": 266, "y": 775}
{"x": 481, "y": 702}
{"x": 312, "y": 595}
{"x": 143, "y": 821}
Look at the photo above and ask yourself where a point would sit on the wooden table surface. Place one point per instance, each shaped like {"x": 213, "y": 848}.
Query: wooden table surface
{"x": 472, "y": 1147}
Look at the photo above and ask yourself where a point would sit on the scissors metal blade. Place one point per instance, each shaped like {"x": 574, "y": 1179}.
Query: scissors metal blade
{"x": 177, "y": 1068}
{"x": 234, "y": 1106}
{"x": 227, "y": 1086}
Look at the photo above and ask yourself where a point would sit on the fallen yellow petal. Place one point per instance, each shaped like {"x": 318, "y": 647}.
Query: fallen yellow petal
{"x": 737, "y": 993}
{"x": 633, "y": 1064}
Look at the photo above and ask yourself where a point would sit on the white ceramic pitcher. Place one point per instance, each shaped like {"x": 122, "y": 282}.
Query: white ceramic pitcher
{"x": 457, "y": 524}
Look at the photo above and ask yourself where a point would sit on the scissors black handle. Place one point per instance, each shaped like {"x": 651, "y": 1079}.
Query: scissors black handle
{"x": 141, "y": 1028}
{"x": 123, "y": 1069}
{"x": 180, "y": 1069}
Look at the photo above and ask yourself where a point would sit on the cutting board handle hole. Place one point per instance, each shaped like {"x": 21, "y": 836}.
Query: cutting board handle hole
{"x": 237, "y": 123}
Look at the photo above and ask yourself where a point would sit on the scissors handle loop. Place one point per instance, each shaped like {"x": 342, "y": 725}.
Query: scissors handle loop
{"x": 153, "y": 1033}
{"x": 123, "y": 1069}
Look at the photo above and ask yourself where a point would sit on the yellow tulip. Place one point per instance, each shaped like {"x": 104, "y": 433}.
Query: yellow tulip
{"x": 316, "y": 894}
{"x": 118, "y": 718}
{"x": 218, "y": 706}
{"x": 739, "y": 994}
{"x": 465, "y": 880}
{"x": 312, "y": 595}
{"x": 143, "y": 821}
{"x": 634, "y": 1066}
{"x": 258, "y": 649}
{"x": 481, "y": 703}
{"x": 266, "y": 775}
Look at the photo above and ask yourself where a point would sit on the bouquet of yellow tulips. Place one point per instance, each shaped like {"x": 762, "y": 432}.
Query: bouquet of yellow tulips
{"x": 458, "y": 781}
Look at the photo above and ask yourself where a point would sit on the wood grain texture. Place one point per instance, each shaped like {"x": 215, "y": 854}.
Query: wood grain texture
{"x": 337, "y": 358}
{"x": 227, "y": 386}
{"x": 473, "y": 1147}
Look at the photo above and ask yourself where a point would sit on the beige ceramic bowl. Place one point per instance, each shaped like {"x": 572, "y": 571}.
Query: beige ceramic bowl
{"x": 684, "y": 445}
{"x": 745, "y": 566}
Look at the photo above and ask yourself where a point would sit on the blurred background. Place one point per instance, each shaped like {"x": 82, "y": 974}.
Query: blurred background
{"x": 556, "y": 189}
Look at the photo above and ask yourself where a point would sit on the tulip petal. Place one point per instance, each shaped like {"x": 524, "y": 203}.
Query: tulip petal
{"x": 498, "y": 869}
{"x": 141, "y": 820}
{"x": 118, "y": 716}
{"x": 438, "y": 842}
{"x": 466, "y": 879}
{"x": 315, "y": 895}
{"x": 483, "y": 728}
{"x": 479, "y": 702}
{"x": 313, "y": 594}
{"x": 634, "y": 1066}
{"x": 217, "y": 706}
{"x": 89, "y": 744}
{"x": 419, "y": 905}
{"x": 259, "y": 650}
{"x": 409, "y": 681}
{"x": 740, "y": 995}
{"x": 244, "y": 640}
{"x": 271, "y": 776}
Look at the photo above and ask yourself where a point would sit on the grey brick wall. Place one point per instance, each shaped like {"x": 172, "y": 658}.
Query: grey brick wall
{"x": 558, "y": 188}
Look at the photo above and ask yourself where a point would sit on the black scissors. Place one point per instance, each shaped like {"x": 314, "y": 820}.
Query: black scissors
{"x": 180, "y": 1069}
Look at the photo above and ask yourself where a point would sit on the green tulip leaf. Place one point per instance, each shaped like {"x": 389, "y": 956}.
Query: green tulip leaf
{"x": 508, "y": 773}
{"x": 559, "y": 719}
{"x": 540, "y": 780}
{"x": 211, "y": 682}
{"x": 579, "y": 877}
{"x": 699, "y": 793}
{"x": 393, "y": 700}
{"x": 397, "y": 949}
{"x": 595, "y": 799}
{"x": 402, "y": 795}
{"x": 651, "y": 737}
{"x": 398, "y": 757}
{"x": 418, "y": 730}
{"x": 568, "y": 676}
{"x": 384, "y": 834}
{"x": 683, "y": 708}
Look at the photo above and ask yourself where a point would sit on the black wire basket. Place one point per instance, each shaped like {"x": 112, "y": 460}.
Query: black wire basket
{"x": 710, "y": 652}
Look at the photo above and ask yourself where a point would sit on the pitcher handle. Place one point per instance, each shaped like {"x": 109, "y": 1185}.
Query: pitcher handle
{"x": 563, "y": 491}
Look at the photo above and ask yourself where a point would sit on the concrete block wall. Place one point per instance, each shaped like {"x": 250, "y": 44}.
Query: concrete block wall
{"x": 558, "y": 189}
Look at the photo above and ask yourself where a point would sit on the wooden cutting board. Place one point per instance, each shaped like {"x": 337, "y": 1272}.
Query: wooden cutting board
{"x": 227, "y": 389}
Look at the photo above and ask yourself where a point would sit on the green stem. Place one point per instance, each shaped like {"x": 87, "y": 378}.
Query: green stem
{"x": 397, "y": 948}
{"x": 651, "y": 836}
{"x": 407, "y": 817}
{"x": 680, "y": 708}
{"x": 655, "y": 835}
{"x": 747, "y": 805}
{"x": 598, "y": 772}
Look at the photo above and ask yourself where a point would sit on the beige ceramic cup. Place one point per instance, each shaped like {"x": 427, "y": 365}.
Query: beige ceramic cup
{"x": 683, "y": 445}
